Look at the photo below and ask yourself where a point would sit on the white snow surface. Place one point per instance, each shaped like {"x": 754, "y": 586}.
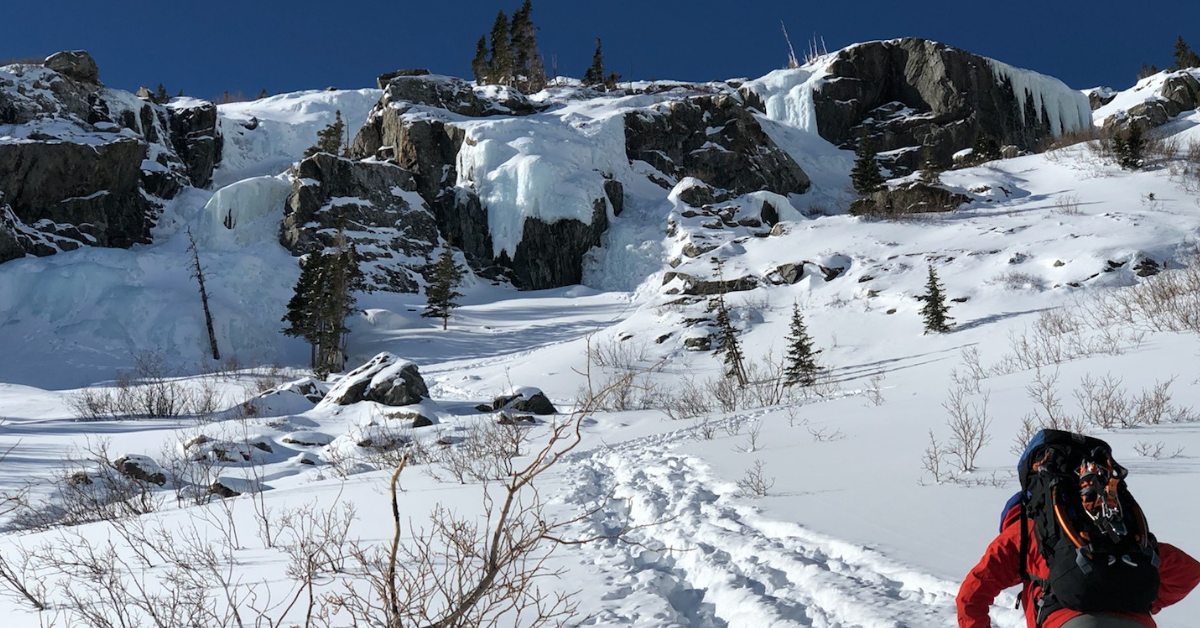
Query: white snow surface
{"x": 853, "y": 530}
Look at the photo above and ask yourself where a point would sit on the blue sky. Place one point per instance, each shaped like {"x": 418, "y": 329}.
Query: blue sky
{"x": 250, "y": 45}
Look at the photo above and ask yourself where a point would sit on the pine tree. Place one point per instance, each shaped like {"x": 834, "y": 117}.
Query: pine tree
{"x": 985, "y": 149}
{"x": 322, "y": 300}
{"x": 445, "y": 276}
{"x": 1129, "y": 147}
{"x": 728, "y": 346}
{"x": 329, "y": 139}
{"x": 262, "y": 94}
{"x": 1185, "y": 57}
{"x": 801, "y": 358}
{"x": 594, "y": 75}
{"x": 479, "y": 65}
{"x": 160, "y": 95}
{"x": 935, "y": 309}
{"x": 301, "y": 317}
{"x": 500, "y": 63}
{"x": 865, "y": 176}
{"x": 528, "y": 70}
{"x": 931, "y": 170}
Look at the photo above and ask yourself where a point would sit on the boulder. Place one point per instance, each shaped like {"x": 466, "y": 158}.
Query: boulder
{"x": 715, "y": 139}
{"x": 1180, "y": 92}
{"x": 908, "y": 198}
{"x": 140, "y": 468}
{"x": 452, "y": 94}
{"x": 76, "y": 64}
{"x": 394, "y": 231}
{"x": 693, "y": 286}
{"x": 307, "y": 439}
{"x": 385, "y": 379}
{"x": 525, "y": 399}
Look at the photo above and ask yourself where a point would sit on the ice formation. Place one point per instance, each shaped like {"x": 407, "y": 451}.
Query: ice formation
{"x": 1066, "y": 109}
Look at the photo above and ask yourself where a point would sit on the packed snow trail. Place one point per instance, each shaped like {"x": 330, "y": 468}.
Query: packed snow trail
{"x": 725, "y": 566}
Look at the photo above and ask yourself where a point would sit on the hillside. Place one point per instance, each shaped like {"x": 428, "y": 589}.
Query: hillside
{"x": 590, "y": 222}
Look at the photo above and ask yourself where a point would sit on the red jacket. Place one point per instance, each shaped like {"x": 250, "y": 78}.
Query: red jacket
{"x": 1000, "y": 568}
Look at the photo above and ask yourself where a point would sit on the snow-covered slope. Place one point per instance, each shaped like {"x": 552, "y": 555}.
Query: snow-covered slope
{"x": 854, "y": 529}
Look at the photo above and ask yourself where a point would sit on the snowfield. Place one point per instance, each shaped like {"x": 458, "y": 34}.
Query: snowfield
{"x": 821, "y": 507}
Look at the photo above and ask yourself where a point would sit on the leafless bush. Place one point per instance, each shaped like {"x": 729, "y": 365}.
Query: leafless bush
{"x": 933, "y": 460}
{"x": 1053, "y": 144}
{"x": 149, "y": 390}
{"x": 874, "y": 390}
{"x": 823, "y": 434}
{"x": 1157, "y": 451}
{"x": 969, "y": 424}
{"x": 1168, "y": 301}
{"x": 484, "y": 453}
{"x": 706, "y": 429}
{"x": 752, "y": 440}
{"x": 1103, "y": 403}
{"x": 1058, "y": 336}
{"x": 1068, "y": 205}
{"x": 1015, "y": 280}
{"x": 755, "y": 484}
{"x": 688, "y": 401}
{"x": 91, "y": 489}
{"x": 621, "y": 353}
{"x": 972, "y": 370}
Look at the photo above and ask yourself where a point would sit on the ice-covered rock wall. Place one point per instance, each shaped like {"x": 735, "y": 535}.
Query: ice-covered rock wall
{"x": 1064, "y": 108}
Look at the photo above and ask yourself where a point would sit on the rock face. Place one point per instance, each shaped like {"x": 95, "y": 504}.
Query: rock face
{"x": 1180, "y": 92}
{"x": 75, "y": 64}
{"x": 196, "y": 139}
{"x": 909, "y": 198}
{"x": 714, "y": 139}
{"x": 910, "y": 92}
{"x": 377, "y": 206}
{"x": 385, "y": 379}
{"x": 82, "y": 165}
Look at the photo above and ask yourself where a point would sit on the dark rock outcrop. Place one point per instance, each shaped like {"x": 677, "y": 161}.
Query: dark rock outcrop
{"x": 385, "y": 379}
{"x": 196, "y": 138}
{"x": 911, "y": 92}
{"x": 714, "y": 139}
{"x": 694, "y": 286}
{"x": 909, "y": 198}
{"x": 85, "y": 165}
{"x": 373, "y": 203}
{"x": 76, "y": 64}
{"x": 452, "y": 94}
{"x": 1180, "y": 92}
{"x": 529, "y": 400}
{"x": 551, "y": 254}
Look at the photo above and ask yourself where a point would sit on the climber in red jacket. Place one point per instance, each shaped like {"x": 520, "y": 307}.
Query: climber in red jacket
{"x": 1000, "y": 568}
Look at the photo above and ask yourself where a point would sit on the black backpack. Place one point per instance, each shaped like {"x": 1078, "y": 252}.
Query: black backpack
{"x": 1089, "y": 529}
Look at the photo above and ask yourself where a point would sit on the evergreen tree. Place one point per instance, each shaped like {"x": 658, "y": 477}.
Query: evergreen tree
{"x": 479, "y": 65}
{"x": 865, "y": 176}
{"x": 986, "y": 148}
{"x": 935, "y": 309}
{"x": 728, "y": 346}
{"x": 445, "y": 276}
{"x": 329, "y": 139}
{"x": 500, "y": 63}
{"x": 301, "y": 317}
{"x": 801, "y": 358}
{"x": 262, "y": 94}
{"x": 931, "y": 170}
{"x": 529, "y": 72}
{"x": 1185, "y": 57}
{"x": 594, "y": 75}
{"x": 322, "y": 300}
{"x": 160, "y": 95}
{"x": 1129, "y": 146}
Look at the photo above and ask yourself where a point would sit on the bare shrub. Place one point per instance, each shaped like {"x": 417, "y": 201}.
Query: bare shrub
{"x": 1168, "y": 301}
{"x": 688, "y": 401}
{"x": 619, "y": 352}
{"x": 1102, "y": 402}
{"x": 1068, "y": 205}
{"x": 484, "y": 453}
{"x": 933, "y": 460}
{"x": 1016, "y": 280}
{"x": 1157, "y": 451}
{"x": 706, "y": 429}
{"x": 874, "y": 389}
{"x": 753, "y": 443}
{"x": 969, "y": 424}
{"x": 755, "y": 483}
{"x": 823, "y": 434}
{"x": 1053, "y": 144}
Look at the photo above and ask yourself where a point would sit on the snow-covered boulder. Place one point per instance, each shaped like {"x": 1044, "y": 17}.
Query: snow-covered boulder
{"x": 295, "y": 397}
{"x": 385, "y": 379}
{"x": 140, "y": 468}
{"x": 307, "y": 439}
{"x": 76, "y": 64}
{"x": 525, "y": 399}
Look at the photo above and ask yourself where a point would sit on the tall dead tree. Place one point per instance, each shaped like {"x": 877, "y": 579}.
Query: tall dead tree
{"x": 198, "y": 273}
